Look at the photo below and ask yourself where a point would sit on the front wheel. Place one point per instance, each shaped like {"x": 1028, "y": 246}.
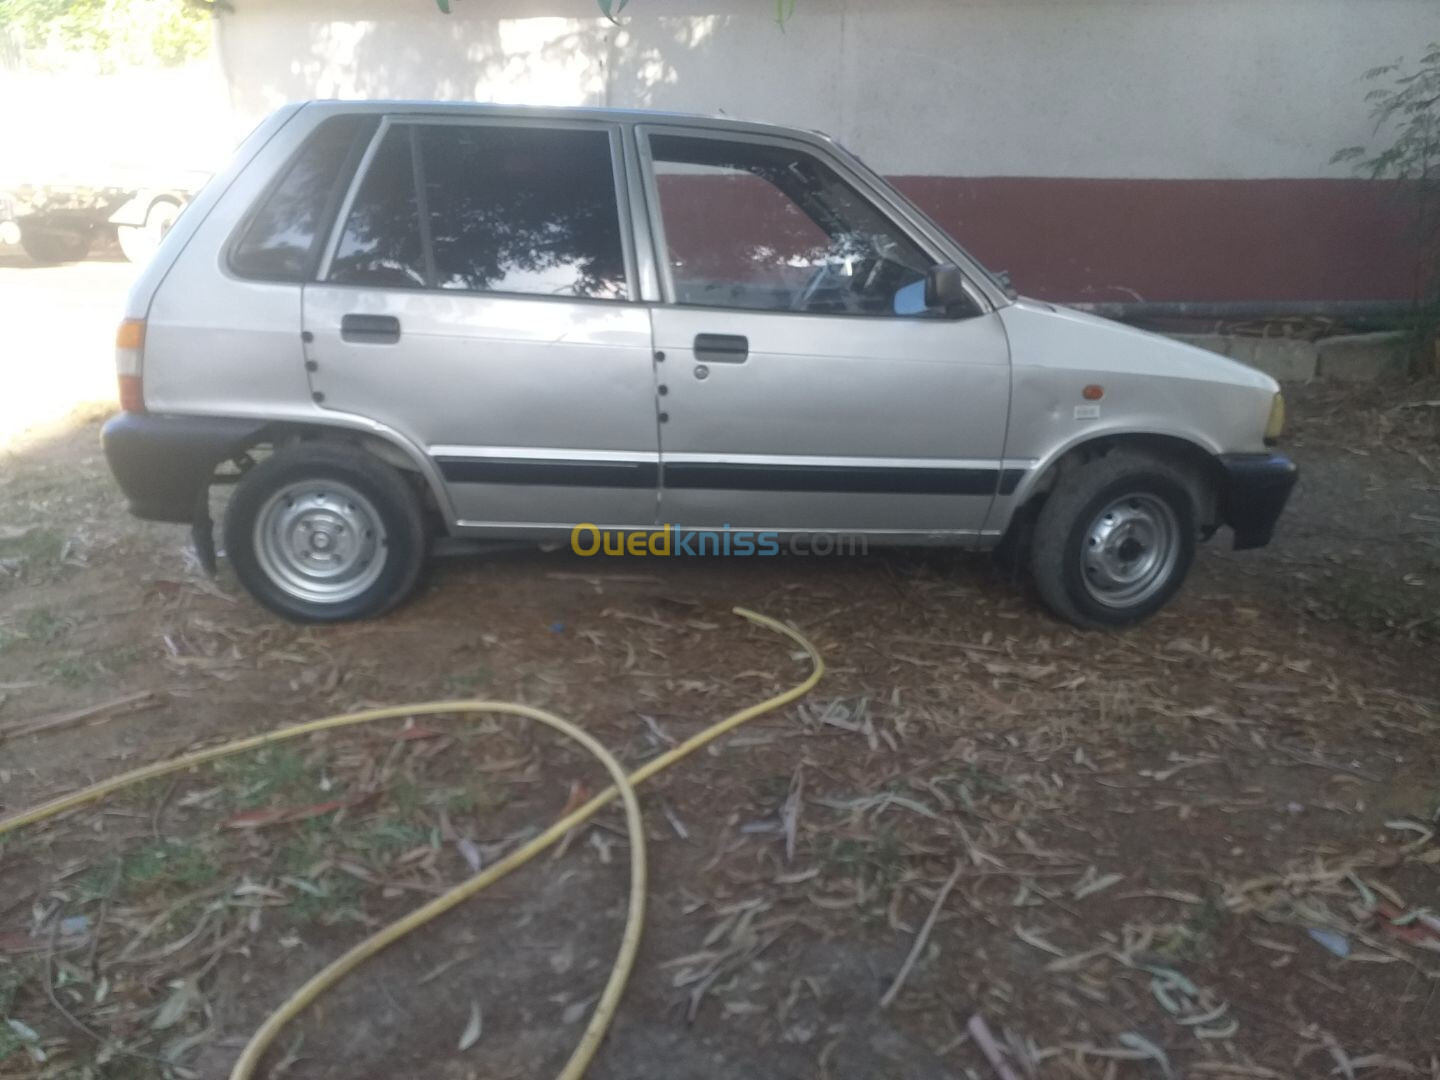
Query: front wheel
{"x": 325, "y": 533}
{"x": 1115, "y": 541}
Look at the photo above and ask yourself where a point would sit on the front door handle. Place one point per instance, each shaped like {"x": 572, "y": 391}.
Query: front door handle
{"x": 722, "y": 348}
{"x": 370, "y": 329}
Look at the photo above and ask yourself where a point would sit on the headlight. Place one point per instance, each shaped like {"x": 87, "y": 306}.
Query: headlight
{"x": 1275, "y": 426}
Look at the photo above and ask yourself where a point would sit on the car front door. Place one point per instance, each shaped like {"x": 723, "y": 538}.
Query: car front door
{"x": 479, "y": 299}
{"x": 805, "y": 385}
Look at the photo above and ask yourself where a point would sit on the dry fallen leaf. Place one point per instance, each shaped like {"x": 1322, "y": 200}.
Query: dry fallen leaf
{"x": 471, "y": 1035}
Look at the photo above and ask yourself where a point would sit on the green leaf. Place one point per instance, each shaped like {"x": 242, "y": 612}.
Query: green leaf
{"x": 612, "y": 8}
{"x": 444, "y": 6}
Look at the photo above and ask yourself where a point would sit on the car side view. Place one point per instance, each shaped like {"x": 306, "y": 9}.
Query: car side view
{"x": 388, "y": 322}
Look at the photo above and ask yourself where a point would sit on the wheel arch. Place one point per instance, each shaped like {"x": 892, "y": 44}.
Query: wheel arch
{"x": 1197, "y": 459}
{"x": 380, "y": 442}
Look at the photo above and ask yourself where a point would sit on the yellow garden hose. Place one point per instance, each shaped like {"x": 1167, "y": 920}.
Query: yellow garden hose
{"x": 622, "y": 787}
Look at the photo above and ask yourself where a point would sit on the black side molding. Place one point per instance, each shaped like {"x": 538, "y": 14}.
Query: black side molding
{"x": 713, "y": 476}
{"x": 619, "y": 474}
{"x": 1257, "y": 487}
{"x": 842, "y": 479}
{"x": 164, "y": 463}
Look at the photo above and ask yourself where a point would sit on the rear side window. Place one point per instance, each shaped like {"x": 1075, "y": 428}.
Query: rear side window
{"x": 523, "y": 210}
{"x": 281, "y": 240}
{"x": 528, "y": 211}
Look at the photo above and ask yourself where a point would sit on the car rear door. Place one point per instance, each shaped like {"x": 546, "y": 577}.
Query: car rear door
{"x": 478, "y": 299}
{"x": 805, "y": 386}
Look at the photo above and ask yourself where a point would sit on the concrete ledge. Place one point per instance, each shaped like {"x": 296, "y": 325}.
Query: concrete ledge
{"x": 1216, "y": 343}
{"x": 1346, "y": 358}
{"x": 1362, "y": 357}
{"x": 1286, "y": 359}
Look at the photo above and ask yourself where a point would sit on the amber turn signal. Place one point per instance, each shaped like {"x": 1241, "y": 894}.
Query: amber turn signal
{"x": 1275, "y": 426}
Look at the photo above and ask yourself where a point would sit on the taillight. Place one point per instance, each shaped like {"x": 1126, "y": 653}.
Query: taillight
{"x": 129, "y": 356}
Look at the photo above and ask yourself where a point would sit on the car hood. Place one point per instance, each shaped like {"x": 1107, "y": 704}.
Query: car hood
{"x": 1090, "y": 341}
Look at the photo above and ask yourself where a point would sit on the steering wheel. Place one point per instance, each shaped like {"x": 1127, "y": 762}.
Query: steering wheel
{"x": 818, "y": 280}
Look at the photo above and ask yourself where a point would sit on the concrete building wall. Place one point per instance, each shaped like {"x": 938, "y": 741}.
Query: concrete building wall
{"x": 1098, "y": 149}
{"x": 92, "y": 128}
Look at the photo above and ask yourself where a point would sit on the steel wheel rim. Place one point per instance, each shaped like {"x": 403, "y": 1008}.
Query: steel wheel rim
{"x": 1129, "y": 550}
{"x": 320, "y": 541}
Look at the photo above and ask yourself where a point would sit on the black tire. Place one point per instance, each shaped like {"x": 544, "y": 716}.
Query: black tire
{"x": 1078, "y": 561}
{"x": 56, "y": 245}
{"x": 266, "y": 498}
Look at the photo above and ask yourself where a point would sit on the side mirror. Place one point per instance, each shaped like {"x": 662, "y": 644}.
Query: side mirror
{"x": 945, "y": 287}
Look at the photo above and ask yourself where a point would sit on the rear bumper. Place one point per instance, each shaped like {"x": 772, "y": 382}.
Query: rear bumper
{"x": 163, "y": 464}
{"x": 1256, "y": 489}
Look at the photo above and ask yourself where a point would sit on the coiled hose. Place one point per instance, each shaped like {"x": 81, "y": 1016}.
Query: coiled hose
{"x": 622, "y": 787}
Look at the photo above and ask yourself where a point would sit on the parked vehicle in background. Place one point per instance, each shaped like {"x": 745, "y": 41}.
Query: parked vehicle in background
{"x": 386, "y": 322}
{"x": 60, "y": 219}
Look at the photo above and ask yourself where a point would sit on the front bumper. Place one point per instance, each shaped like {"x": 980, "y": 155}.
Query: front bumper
{"x": 164, "y": 463}
{"x": 1256, "y": 489}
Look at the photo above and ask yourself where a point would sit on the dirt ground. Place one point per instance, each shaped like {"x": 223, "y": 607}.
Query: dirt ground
{"x": 1158, "y": 843}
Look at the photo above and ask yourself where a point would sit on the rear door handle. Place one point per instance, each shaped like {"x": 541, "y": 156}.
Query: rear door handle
{"x": 370, "y": 329}
{"x": 722, "y": 348}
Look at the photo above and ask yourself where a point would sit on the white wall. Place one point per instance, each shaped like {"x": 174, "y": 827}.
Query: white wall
{"x": 1177, "y": 89}
{"x": 137, "y": 125}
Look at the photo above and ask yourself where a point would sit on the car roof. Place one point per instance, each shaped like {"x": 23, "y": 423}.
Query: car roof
{"x": 550, "y": 112}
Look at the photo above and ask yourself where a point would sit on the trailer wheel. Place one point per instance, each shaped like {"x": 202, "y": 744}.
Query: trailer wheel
{"x": 139, "y": 242}
{"x": 56, "y": 244}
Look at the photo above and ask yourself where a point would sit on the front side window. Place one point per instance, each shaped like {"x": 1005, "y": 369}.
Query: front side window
{"x": 280, "y": 241}
{"x": 768, "y": 227}
{"x": 500, "y": 209}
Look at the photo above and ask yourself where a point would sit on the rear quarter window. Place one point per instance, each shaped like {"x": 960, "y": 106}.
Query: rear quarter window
{"x": 280, "y": 239}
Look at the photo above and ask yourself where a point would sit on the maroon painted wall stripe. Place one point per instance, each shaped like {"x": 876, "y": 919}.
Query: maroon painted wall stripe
{"x": 1195, "y": 240}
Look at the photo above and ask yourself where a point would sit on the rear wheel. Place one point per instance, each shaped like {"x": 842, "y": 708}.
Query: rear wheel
{"x": 325, "y": 533}
{"x": 1116, "y": 540}
{"x": 139, "y": 242}
{"x": 56, "y": 244}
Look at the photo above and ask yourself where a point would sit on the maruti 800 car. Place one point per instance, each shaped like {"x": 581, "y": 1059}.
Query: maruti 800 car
{"x": 388, "y": 322}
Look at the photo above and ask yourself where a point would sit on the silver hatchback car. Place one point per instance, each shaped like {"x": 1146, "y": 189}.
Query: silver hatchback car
{"x": 387, "y": 322}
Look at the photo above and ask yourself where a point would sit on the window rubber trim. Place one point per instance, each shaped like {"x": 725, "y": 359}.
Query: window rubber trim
{"x": 347, "y": 204}
{"x": 422, "y": 208}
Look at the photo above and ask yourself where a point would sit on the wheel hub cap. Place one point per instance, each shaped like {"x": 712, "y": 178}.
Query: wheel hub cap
{"x": 321, "y": 542}
{"x": 1130, "y": 550}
